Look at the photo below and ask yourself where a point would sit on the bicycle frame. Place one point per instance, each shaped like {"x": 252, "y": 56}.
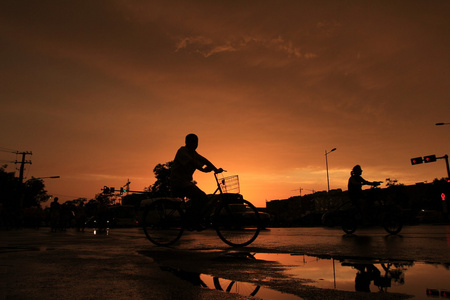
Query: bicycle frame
{"x": 235, "y": 220}
{"x": 350, "y": 218}
{"x": 219, "y": 189}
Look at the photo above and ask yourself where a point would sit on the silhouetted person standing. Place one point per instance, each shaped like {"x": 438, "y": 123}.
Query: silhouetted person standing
{"x": 355, "y": 183}
{"x": 55, "y": 210}
{"x": 80, "y": 217}
{"x": 186, "y": 162}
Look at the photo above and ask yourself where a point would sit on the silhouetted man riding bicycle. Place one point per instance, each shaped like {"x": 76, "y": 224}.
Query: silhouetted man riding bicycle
{"x": 186, "y": 161}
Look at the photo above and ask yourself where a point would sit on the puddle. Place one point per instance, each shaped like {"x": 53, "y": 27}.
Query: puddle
{"x": 417, "y": 279}
{"x": 406, "y": 277}
{"x": 245, "y": 289}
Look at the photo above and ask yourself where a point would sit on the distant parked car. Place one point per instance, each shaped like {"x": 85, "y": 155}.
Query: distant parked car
{"x": 123, "y": 216}
{"x": 94, "y": 222}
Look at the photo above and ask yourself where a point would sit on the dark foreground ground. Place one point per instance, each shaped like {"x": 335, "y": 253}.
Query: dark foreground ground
{"x": 38, "y": 264}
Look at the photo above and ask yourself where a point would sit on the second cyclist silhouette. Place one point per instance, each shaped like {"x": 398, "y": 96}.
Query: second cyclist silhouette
{"x": 355, "y": 183}
{"x": 186, "y": 162}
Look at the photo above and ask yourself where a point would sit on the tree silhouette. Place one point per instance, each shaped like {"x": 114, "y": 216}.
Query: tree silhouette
{"x": 9, "y": 186}
{"x": 34, "y": 192}
{"x": 161, "y": 187}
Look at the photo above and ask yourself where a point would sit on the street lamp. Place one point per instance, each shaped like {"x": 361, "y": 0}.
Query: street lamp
{"x": 326, "y": 161}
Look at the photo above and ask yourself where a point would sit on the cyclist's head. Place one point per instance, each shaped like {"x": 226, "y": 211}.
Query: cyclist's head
{"x": 192, "y": 141}
{"x": 356, "y": 170}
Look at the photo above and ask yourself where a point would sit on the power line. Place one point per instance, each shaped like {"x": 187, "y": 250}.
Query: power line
{"x": 6, "y": 161}
{"x": 3, "y": 149}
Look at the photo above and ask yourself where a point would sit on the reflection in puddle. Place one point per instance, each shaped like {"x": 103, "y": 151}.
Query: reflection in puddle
{"x": 345, "y": 274}
{"x": 406, "y": 277}
{"x": 245, "y": 288}
{"x": 242, "y": 288}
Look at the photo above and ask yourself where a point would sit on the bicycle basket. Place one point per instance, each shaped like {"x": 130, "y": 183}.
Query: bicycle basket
{"x": 230, "y": 184}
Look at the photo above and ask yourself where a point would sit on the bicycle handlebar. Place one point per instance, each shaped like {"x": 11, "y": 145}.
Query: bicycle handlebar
{"x": 219, "y": 170}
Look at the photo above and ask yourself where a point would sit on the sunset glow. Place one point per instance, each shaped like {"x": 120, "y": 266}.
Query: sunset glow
{"x": 103, "y": 91}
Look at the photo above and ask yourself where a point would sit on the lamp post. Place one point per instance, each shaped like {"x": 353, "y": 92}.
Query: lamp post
{"x": 326, "y": 161}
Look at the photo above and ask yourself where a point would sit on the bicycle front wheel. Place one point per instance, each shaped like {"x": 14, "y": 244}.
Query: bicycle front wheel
{"x": 163, "y": 222}
{"x": 349, "y": 224}
{"x": 237, "y": 223}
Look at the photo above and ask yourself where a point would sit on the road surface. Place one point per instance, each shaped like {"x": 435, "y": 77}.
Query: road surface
{"x": 122, "y": 264}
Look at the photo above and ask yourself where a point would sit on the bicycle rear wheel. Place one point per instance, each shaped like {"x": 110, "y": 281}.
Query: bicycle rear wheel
{"x": 163, "y": 222}
{"x": 237, "y": 222}
{"x": 392, "y": 223}
{"x": 349, "y": 216}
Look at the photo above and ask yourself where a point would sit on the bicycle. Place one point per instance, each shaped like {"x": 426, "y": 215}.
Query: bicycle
{"x": 350, "y": 217}
{"x": 236, "y": 221}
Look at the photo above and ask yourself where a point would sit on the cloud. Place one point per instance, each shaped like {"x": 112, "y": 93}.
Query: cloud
{"x": 261, "y": 46}
{"x": 113, "y": 86}
{"x": 202, "y": 45}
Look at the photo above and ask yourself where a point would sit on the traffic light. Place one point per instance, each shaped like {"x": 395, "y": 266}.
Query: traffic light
{"x": 416, "y": 160}
{"x": 106, "y": 190}
{"x": 429, "y": 158}
{"x": 433, "y": 292}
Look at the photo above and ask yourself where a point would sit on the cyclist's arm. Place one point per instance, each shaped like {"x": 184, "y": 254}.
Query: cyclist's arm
{"x": 358, "y": 180}
{"x": 372, "y": 183}
{"x": 189, "y": 159}
{"x": 206, "y": 165}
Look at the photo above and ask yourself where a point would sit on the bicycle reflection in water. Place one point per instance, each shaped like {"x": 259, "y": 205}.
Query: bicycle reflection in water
{"x": 368, "y": 273}
{"x": 220, "y": 284}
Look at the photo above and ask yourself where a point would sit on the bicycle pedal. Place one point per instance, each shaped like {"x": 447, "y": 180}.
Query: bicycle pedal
{"x": 200, "y": 227}
{"x": 196, "y": 227}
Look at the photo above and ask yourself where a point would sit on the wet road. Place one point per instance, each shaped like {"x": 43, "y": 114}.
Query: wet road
{"x": 124, "y": 265}
{"x": 429, "y": 243}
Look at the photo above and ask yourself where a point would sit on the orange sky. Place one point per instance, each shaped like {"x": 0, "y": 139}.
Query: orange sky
{"x": 102, "y": 91}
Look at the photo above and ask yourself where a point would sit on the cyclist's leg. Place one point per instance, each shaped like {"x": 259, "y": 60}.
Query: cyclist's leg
{"x": 198, "y": 200}
{"x": 364, "y": 210}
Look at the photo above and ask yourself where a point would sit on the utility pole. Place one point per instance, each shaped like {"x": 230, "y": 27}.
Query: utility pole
{"x": 22, "y": 167}
{"x": 446, "y": 163}
{"x": 22, "y": 164}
